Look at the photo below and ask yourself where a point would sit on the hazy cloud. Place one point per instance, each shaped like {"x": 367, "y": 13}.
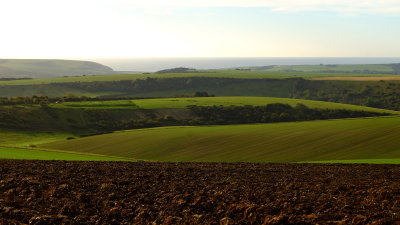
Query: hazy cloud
{"x": 385, "y": 7}
{"x": 379, "y": 7}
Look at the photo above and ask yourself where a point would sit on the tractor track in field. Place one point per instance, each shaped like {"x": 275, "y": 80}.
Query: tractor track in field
{"x": 60, "y": 192}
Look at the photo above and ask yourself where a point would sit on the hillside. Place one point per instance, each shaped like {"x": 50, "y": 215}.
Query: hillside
{"x": 366, "y": 138}
{"x": 90, "y": 117}
{"x": 238, "y": 74}
{"x": 174, "y": 103}
{"x": 378, "y": 94}
{"x": 17, "y": 144}
{"x": 42, "y": 68}
{"x": 29, "y": 154}
{"x": 336, "y": 68}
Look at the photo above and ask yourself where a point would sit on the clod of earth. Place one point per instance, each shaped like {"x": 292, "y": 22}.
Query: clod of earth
{"x": 59, "y": 192}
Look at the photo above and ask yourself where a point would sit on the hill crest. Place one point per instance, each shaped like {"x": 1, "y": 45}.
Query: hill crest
{"x": 47, "y": 68}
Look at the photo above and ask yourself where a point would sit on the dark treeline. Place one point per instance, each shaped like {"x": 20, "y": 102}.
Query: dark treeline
{"x": 43, "y": 99}
{"x": 91, "y": 121}
{"x": 80, "y": 121}
{"x": 151, "y": 84}
{"x": 178, "y": 70}
{"x": 378, "y": 94}
{"x": 270, "y": 113}
{"x": 12, "y": 78}
{"x": 222, "y": 115}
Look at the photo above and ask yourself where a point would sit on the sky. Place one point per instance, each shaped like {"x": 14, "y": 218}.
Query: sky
{"x": 199, "y": 28}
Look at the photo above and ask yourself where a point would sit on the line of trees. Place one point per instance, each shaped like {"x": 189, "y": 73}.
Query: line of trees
{"x": 169, "y": 84}
{"x": 43, "y": 99}
{"x": 269, "y": 113}
{"x": 103, "y": 120}
{"x": 378, "y": 94}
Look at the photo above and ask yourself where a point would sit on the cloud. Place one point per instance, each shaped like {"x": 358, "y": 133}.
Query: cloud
{"x": 381, "y": 7}
{"x": 378, "y": 7}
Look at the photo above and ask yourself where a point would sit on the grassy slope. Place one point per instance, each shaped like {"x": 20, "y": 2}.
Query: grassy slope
{"x": 364, "y": 161}
{"x": 367, "y": 138}
{"x": 247, "y": 88}
{"x": 230, "y": 74}
{"x": 209, "y": 101}
{"x": 14, "y": 145}
{"x": 340, "y": 68}
{"x": 48, "y": 90}
{"x": 49, "y": 68}
{"x": 388, "y": 78}
{"x": 19, "y": 153}
{"x": 218, "y": 73}
{"x": 18, "y": 138}
{"x": 264, "y": 88}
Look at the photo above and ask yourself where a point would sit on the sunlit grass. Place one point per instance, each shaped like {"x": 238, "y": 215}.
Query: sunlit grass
{"x": 344, "y": 139}
{"x": 29, "y": 154}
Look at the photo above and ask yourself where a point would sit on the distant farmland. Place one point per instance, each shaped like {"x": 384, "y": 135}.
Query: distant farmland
{"x": 352, "y": 68}
{"x": 368, "y": 78}
{"x": 213, "y": 73}
{"x": 347, "y": 139}
{"x": 210, "y": 101}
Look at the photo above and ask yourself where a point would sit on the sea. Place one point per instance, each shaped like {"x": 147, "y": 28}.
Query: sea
{"x": 156, "y": 64}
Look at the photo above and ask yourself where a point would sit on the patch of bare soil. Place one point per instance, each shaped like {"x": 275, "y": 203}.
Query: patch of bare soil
{"x": 58, "y": 192}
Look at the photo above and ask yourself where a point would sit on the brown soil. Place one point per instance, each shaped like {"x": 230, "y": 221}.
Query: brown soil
{"x": 357, "y": 78}
{"x": 58, "y": 192}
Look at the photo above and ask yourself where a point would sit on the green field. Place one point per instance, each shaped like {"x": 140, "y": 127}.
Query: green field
{"x": 48, "y": 90}
{"x": 209, "y": 101}
{"x": 19, "y": 153}
{"x": 218, "y": 73}
{"x": 35, "y": 68}
{"x": 230, "y": 74}
{"x": 360, "y": 161}
{"x": 18, "y": 138}
{"x": 18, "y": 145}
{"x": 346, "y": 139}
{"x": 379, "y": 68}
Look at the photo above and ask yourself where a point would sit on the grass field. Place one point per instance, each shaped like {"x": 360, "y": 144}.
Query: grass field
{"x": 19, "y": 153}
{"x": 347, "y": 139}
{"x": 209, "y": 101}
{"x": 49, "y": 68}
{"x": 360, "y": 161}
{"x": 389, "y": 78}
{"x": 48, "y": 90}
{"x": 17, "y": 145}
{"x": 380, "y": 68}
{"x": 218, "y": 73}
{"x": 17, "y": 138}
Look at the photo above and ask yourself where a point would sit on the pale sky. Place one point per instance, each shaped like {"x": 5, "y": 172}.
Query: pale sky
{"x": 199, "y": 28}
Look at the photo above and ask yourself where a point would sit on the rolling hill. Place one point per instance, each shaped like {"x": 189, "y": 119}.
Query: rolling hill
{"x": 345, "y": 139}
{"x": 17, "y": 144}
{"x": 117, "y": 76}
{"x": 45, "y": 68}
{"x": 90, "y": 117}
{"x": 332, "y": 68}
{"x": 29, "y": 154}
{"x": 176, "y": 103}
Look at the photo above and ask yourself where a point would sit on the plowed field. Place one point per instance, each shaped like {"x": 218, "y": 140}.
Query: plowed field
{"x": 59, "y": 192}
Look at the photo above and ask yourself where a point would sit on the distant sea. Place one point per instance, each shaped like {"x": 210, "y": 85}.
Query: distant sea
{"x": 155, "y": 64}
